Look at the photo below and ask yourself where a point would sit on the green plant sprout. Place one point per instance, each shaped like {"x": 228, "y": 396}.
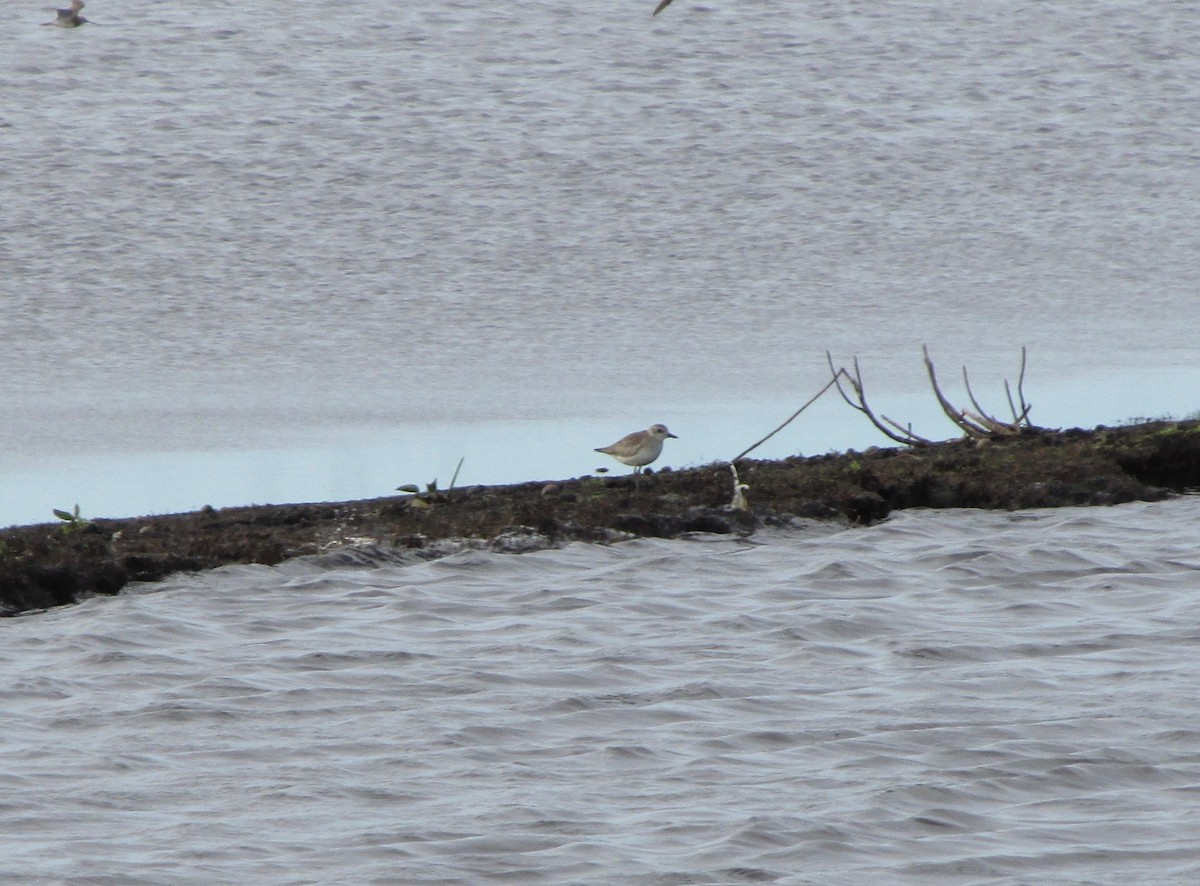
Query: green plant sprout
{"x": 73, "y": 521}
{"x": 431, "y": 493}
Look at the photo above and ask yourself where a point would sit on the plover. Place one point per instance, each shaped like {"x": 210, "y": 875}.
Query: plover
{"x": 69, "y": 18}
{"x": 660, "y": 7}
{"x": 639, "y": 448}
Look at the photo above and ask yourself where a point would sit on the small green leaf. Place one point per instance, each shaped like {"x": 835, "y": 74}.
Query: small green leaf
{"x": 63, "y": 515}
{"x": 408, "y": 487}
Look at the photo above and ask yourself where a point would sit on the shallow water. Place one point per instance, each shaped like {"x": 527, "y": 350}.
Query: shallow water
{"x": 947, "y": 697}
{"x": 248, "y": 259}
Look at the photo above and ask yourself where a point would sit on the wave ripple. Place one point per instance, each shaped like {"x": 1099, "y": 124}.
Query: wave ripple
{"x": 951, "y": 696}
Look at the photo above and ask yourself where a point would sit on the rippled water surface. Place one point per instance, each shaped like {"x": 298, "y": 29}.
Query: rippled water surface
{"x": 948, "y": 697}
{"x": 250, "y": 256}
{"x": 261, "y": 253}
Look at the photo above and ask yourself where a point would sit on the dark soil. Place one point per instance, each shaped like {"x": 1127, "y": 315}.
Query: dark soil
{"x": 53, "y": 564}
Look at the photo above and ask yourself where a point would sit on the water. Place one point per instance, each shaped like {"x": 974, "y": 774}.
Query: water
{"x": 250, "y": 260}
{"x": 947, "y": 697}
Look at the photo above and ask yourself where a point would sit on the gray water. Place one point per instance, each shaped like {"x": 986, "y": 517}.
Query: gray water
{"x": 248, "y": 259}
{"x": 948, "y": 697}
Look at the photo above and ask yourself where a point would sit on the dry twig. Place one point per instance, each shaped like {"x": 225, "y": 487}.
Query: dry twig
{"x": 976, "y": 422}
{"x": 892, "y": 429}
{"x": 790, "y": 419}
{"x": 979, "y": 424}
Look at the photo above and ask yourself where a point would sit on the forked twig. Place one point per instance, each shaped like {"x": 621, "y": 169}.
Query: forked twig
{"x": 1025, "y": 407}
{"x": 975, "y": 423}
{"x": 958, "y": 416}
{"x": 979, "y": 423}
{"x": 901, "y": 434}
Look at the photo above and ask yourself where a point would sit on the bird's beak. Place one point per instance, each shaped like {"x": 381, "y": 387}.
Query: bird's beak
{"x": 669, "y": 434}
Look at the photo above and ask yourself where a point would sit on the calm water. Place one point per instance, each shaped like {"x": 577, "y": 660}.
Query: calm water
{"x": 247, "y": 260}
{"x": 948, "y": 697}
{"x": 252, "y": 260}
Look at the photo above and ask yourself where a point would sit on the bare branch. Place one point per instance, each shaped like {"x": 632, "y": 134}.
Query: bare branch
{"x": 1022, "y": 417}
{"x": 854, "y": 381}
{"x": 994, "y": 427}
{"x": 969, "y": 427}
{"x": 993, "y": 424}
{"x": 976, "y": 423}
{"x": 1011, "y": 405}
{"x": 980, "y": 422}
{"x": 1025, "y": 407}
{"x": 790, "y": 419}
{"x": 907, "y": 431}
{"x": 859, "y": 402}
{"x": 971, "y": 394}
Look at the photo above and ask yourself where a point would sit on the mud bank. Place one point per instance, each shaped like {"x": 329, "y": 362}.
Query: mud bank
{"x": 53, "y": 564}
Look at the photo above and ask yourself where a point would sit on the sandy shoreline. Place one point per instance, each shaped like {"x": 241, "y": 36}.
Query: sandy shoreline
{"x": 55, "y": 564}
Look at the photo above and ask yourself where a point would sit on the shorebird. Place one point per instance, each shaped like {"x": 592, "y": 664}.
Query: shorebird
{"x": 639, "y": 448}
{"x": 660, "y": 7}
{"x": 70, "y": 18}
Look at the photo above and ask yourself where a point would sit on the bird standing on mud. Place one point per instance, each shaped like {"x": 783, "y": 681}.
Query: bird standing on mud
{"x": 69, "y": 18}
{"x": 639, "y": 448}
